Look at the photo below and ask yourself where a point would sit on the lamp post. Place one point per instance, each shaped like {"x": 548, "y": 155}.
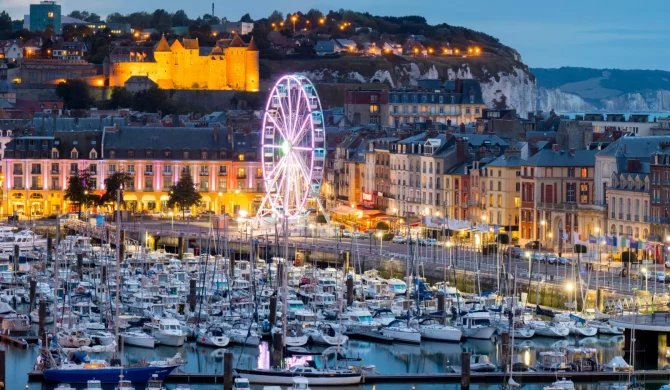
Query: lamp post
{"x": 646, "y": 278}
{"x": 530, "y": 268}
{"x": 172, "y": 223}
{"x": 380, "y": 236}
{"x": 294, "y": 19}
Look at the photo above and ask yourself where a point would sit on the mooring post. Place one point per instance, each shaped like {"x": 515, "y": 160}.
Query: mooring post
{"x": 80, "y": 265}
{"x": 2, "y": 367}
{"x": 504, "y": 336}
{"x": 17, "y": 253}
{"x": 49, "y": 248}
{"x": 277, "y": 349}
{"x": 273, "y": 311}
{"x": 42, "y": 314}
{"x": 465, "y": 371}
{"x": 180, "y": 246}
{"x": 228, "y": 371}
{"x": 350, "y": 291}
{"x": 32, "y": 293}
{"x": 192, "y": 294}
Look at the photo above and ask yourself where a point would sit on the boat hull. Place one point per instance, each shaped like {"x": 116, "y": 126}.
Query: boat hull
{"x": 441, "y": 334}
{"x": 482, "y": 333}
{"x": 108, "y": 375}
{"x": 404, "y": 337}
{"x": 144, "y": 342}
{"x": 286, "y": 378}
{"x": 171, "y": 340}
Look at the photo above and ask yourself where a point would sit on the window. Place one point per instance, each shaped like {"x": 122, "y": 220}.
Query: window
{"x": 241, "y": 173}
{"x": 167, "y": 153}
{"x": 55, "y": 168}
{"x": 167, "y": 170}
{"x": 74, "y": 168}
{"x": 467, "y": 110}
{"x": 148, "y": 184}
{"x": 571, "y": 172}
{"x": 112, "y": 154}
{"x": 499, "y": 201}
{"x": 74, "y": 155}
{"x": 131, "y": 154}
{"x": 186, "y": 155}
{"x": 585, "y": 172}
{"x": 499, "y": 186}
{"x": 149, "y": 169}
{"x": 584, "y": 192}
{"x": 570, "y": 192}
{"x": 223, "y": 170}
{"x": 150, "y": 153}
{"x": 93, "y": 169}
{"x": 131, "y": 169}
{"x": 54, "y": 154}
{"x": 203, "y": 155}
{"x": 241, "y": 157}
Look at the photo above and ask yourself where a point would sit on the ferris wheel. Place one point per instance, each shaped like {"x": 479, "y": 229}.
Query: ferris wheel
{"x": 293, "y": 148}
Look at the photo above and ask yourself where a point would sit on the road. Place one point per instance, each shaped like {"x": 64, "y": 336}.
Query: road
{"x": 460, "y": 257}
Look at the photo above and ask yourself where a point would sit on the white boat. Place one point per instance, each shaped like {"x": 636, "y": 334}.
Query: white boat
{"x": 295, "y": 337}
{"x": 477, "y": 325}
{"x": 169, "y": 332}
{"x": 605, "y": 328}
{"x": 582, "y": 330}
{"x": 73, "y": 339}
{"x": 124, "y": 385}
{"x": 397, "y": 286}
{"x": 562, "y": 384}
{"x": 325, "y": 334}
{"x": 102, "y": 337}
{"x": 431, "y": 329}
{"x": 399, "y": 331}
{"x": 481, "y": 363}
{"x": 15, "y": 323}
{"x": 93, "y": 384}
{"x": 241, "y": 334}
{"x": 138, "y": 339}
{"x": 315, "y": 376}
{"x": 241, "y": 384}
{"x": 300, "y": 383}
{"x": 214, "y": 337}
{"x": 547, "y": 329}
{"x": 552, "y": 361}
{"x": 64, "y": 386}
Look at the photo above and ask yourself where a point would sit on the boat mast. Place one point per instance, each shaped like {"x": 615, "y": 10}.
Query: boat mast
{"x": 56, "y": 271}
{"x": 118, "y": 269}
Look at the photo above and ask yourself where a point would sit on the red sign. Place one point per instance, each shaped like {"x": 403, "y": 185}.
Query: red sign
{"x": 367, "y": 197}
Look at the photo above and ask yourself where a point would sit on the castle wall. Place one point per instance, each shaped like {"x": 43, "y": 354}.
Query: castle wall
{"x": 251, "y": 70}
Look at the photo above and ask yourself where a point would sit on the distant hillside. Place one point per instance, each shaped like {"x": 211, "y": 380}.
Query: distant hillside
{"x": 580, "y": 89}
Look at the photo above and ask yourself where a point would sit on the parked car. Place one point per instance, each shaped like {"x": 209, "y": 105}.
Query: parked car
{"x": 564, "y": 261}
{"x": 206, "y": 213}
{"x": 422, "y": 241}
{"x": 398, "y": 239}
{"x": 517, "y": 252}
{"x": 536, "y": 257}
{"x": 361, "y": 235}
{"x": 551, "y": 258}
{"x": 431, "y": 242}
{"x": 533, "y": 245}
{"x": 346, "y": 233}
{"x": 659, "y": 276}
{"x": 186, "y": 214}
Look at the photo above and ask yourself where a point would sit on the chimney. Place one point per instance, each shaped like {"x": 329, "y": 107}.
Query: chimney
{"x": 632, "y": 165}
{"x": 216, "y": 133}
{"x": 461, "y": 149}
{"x": 572, "y": 151}
{"x": 461, "y": 128}
{"x": 616, "y": 134}
{"x": 480, "y": 154}
{"x": 555, "y": 147}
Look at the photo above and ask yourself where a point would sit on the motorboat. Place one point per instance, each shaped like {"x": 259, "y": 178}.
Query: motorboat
{"x": 561, "y": 384}
{"x": 399, "y": 331}
{"x": 604, "y": 327}
{"x": 481, "y": 363}
{"x": 93, "y": 384}
{"x": 432, "y": 329}
{"x": 214, "y": 336}
{"x": 294, "y": 336}
{"x": 16, "y": 323}
{"x": 241, "y": 333}
{"x": 102, "y": 337}
{"x": 138, "y": 339}
{"x": 315, "y": 376}
{"x": 300, "y": 383}
{"x": 477, "y": 325}
{"x": 325, "y": 334}
{"x": 73, "y": 338}
{"x": 552, "y": 361}
{"x": 397, "y": 286}
{"x": 582, "y": 359}
{"x": 124, "y": 385}
{"x": 169, "y": 332}
{"x": 241, "y": 384}
{"x": 64, "y": 386}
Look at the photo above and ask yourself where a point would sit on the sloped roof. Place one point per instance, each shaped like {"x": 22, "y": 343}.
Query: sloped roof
{"x": 191, "y": 44}
{"x": 563, "y": 158}
{"x": 511, "y": 161}
{"x": 252, "y": 45}
{"x": 237, "y": 42}
{"x": 634, "y": 147}
{"x": 175, "y": 138}
{"x": 176, "y": 45}
{"x": 162, "y": 45}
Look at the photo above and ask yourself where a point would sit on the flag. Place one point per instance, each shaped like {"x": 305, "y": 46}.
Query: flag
{"x": 592, "y": 239}
{"x": 633, "y": 245}
{"x": 575, "y": 238}
{"x": 566, "y": 236}
{"x": 609, "y": 241}
{"x": 648, "y": 246}
{"x": 614, "y": 241}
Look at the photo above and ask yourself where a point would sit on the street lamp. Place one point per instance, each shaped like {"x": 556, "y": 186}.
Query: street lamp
{"x": 172, "y": 217}
{"x": 294, "y": 19}
{"x": 379, "y": 236}
{"x": 646, "y": 278}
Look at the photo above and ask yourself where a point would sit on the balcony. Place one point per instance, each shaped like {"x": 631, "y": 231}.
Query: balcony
{"x": 472, "y": 202}
{"x": 148, "y": 173}
{"x": 651, "y": 219}
{"x": 149, "y": 189}
{"x": 241, "y": 176}
{"x": 55, "y": 188}
{"x": 223, "y": 173}
{"x": 35, "y": 171}
{"x": 558, "y": 206}
{"x": 204, "y": 173}
{"x": 18, "y": 187}
{"x": 18, "y": 171}
{"x": 36, "y": 187}
{"x": 57, "y": 171}
{"x": 74, "y": 172}
{"x": 627, "y": 217}
{"x": 167, "y": 173}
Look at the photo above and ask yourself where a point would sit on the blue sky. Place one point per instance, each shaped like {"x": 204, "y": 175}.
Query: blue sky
{"x": 590, "y": 33}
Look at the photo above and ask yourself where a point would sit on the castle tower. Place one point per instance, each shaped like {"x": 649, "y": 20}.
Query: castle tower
{"x": 251, "y": 66}
{"x": 217, "y": 69}
{"x": 235, "y": 63}
{"x": 164, "y": 60}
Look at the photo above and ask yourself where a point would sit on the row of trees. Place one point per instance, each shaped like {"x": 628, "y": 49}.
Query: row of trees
{"x": 81, "y": 189}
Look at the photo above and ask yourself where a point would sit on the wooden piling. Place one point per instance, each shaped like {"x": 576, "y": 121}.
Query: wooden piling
{"x": 42, "y": 313}
{"x": 122, "y": 244}
{"x": 192, "y": 294}
{"x": 350, "y": 291}
{"x": 280, "y": 274}
{"x": 49, "y": 248}
{"x": 506, "y": 361}
{"x": 227, "y": 370}
{"x": 441, "y": 301}
{"x": 273, "y": 310}
{"x": 277, "y": 349}
{"x": 465, "y": 371}
{"x": 32, "y": 292}
{"x": 2, "y": 367}
{"x": 17, "y": 253}
{"x": 80, "y": 265}
{"x": 180, "y": 246}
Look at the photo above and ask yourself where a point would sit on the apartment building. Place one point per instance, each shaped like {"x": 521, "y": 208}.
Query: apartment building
{"x": 659, "y": 193}
{"x": 377, "y": 183}
{"x": 504, "y": 188}
{"x": 628, "y": 202}
{"x": 557, "y": 195}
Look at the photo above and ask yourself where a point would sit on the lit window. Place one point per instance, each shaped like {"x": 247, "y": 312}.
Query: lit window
{"x": 51, "y": 14}
{"x": 241, "y": 157}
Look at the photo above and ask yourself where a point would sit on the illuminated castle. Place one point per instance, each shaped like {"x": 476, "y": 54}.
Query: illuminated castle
{"x": 231, "y": 64}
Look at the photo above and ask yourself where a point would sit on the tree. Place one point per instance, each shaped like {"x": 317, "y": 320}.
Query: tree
{"x": 121, "y": 98}
{"x": 79, "y": 190}
{"x": 180, "y": 18}
{"x": 153, "y": 99}
{"x": 246, "y": 18}
{"x": 116, "y": 17}
{"x": 113, "y": 183}
{"x": 382, "y": 225}
{"x": 5, "y": 21}
{"x": 75, "y": 94}
{"x": 94, "y": 18}
{"x": 276, "y": 17}
{"x": 184, "y": 194}
{"x": 161, "y": 20}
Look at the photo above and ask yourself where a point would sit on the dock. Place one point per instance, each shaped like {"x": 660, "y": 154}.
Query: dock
{"x": 475, "y": 377}
{"x": 19, "y": 341}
